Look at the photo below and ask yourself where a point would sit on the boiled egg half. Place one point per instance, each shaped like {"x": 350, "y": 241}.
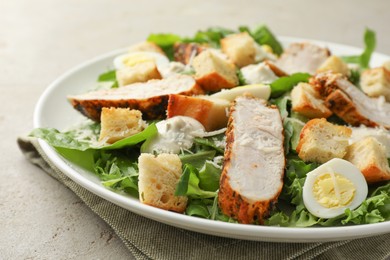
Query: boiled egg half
{"x": 333, "y": 187}
{"x": 134, "y": 58}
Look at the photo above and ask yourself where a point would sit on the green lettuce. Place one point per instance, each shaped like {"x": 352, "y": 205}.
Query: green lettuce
{"x": 189, "y": 184}
{"x": 284, "y": 84}
{"x": 262, "y": 35}
{"x": 364, "y": 59}
{"x": 70, "y": 139}
{"x": 109, "y": 76}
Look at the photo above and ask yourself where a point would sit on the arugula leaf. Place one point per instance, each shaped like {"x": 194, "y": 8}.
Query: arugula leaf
{"x": 69, "y": 139}
{"x": 211, "y": 36}
{"x": 364, "y": 59}
{"x": 241, "y": 78}
{"x": 211, "y": 142}
{"x": 263, "y": 35}
{"x": 147, "y": 133}
{"x": 197, "y": 159}
{"x": 209, "y": 176}
{"x": 109, "y": 76}
{"x": 197, "y": 208}
{"x": 118, "y": 171}
{"x": 166, "y": 42}
{"x": 285, "y": 84}
{"x": 189, "y": 184}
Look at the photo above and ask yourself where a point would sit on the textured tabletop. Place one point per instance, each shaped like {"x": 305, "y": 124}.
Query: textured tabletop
{"x": 41, "y": 39}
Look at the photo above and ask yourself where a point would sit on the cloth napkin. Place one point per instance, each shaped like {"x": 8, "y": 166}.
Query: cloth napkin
{"x": 148, "y": 239}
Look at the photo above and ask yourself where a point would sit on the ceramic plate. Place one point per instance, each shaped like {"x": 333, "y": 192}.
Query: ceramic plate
{"x": 53, "y": 110}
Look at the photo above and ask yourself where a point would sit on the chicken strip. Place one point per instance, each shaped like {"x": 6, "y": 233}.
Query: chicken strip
{"x": 349, "y": 103}
{"x": 252, "y": 175}
{"x": 151, "y": 97}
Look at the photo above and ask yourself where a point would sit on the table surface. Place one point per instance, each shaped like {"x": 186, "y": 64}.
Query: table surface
{"x": 41, "y": 39}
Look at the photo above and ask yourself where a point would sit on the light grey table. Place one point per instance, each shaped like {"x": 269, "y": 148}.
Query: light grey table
{"x": 41, "y": 39}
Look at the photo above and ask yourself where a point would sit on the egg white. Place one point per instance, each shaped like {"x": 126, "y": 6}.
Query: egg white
{"x": 341, "y": 167}
{"x": 159, "y": 59}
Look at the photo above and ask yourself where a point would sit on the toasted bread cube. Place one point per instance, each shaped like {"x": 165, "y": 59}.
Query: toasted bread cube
{"x": 146, "y": 46}
{"x": 335, "y": 65}
{"x": 119, "y": 123}
{"x": 214, "y": 73}
{"x": 321, "y": 141}
{"x": 376, "y": 82}
{"x": 211, "y": 113}
{"x": 158, "y": 177}
{"x": 240, "y": 48}
{"x": 369, "y": 156}
{"x": 307, "y": 101}
{"x": 386, "y": 65}
{"x": 140, "y": 72}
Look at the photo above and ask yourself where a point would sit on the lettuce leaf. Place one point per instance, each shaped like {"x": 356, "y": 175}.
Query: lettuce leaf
{"x": 285, "y": 84}
{"x": 364, "y": 59}
{"x": 70, "y": 139}
{"x": 262, "y": 35}
{"x": 209, "y": 176}
{"x": 166, "y": 42}
{"x": 189, "y": 184}
{"x": 109, "y": 76}
{"x": 212, "y": 36}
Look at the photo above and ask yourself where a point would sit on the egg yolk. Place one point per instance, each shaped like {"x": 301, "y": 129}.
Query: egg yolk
{"x": 137, "y": 59}
{"x": 333, "y": 190}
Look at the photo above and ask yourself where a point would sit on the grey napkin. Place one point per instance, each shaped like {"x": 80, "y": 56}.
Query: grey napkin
{"x": 148, "y": 239}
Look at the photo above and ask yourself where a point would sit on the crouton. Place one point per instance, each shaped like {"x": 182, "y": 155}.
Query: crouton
{"x": 140, "y": 72}
{"x": 307, "y": 101}
{"x": 146, "y": 46}
{"x": 242, "y": 49}
{"x": 214, "y": 73}
{"x": 321, "y": 141}
{"x": 335, "y": 65}
{"x": 376, "y": 82}
{"x": 211, "y": 113}
{"x": 370, "y": 157}
{"x": 157, "y": 181}
{"x": 386, "y": 65}
{"x": 119, "y": 123}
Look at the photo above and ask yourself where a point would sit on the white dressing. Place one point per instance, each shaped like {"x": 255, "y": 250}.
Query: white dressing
{"x": 174, "y": 135}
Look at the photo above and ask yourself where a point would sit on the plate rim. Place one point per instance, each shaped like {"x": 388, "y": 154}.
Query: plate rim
{"x": 206, "y": 226}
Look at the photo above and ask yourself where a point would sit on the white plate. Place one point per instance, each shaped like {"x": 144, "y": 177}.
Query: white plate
{"x": 53, "y": 110}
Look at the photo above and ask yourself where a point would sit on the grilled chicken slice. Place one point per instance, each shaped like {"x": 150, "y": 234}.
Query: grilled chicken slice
{"x": 302, "y": 57}
{"x": 184, "y": 52}
{"x": 151, "y": 97}
{"x": 252, "y": 175}
{"x": 349, "y": 103}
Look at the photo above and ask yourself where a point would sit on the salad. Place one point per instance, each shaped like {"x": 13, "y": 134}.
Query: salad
{"x": 228, "y": 125}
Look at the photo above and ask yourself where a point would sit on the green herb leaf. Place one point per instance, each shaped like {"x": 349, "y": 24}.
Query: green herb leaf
{"x": 209, "y": 177}
{"x": 69, "y": 140}
{"x": 189, "y": 184}
{"x": 109, "y": 76}
{"x": 197, "y": 159}
{"x": 285, "y": 84}
{"x": 241, "y": 78}
{"x": 263, "y": 35}
{"x": 166, "y": 41}
{"x": 364, "y": 59}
